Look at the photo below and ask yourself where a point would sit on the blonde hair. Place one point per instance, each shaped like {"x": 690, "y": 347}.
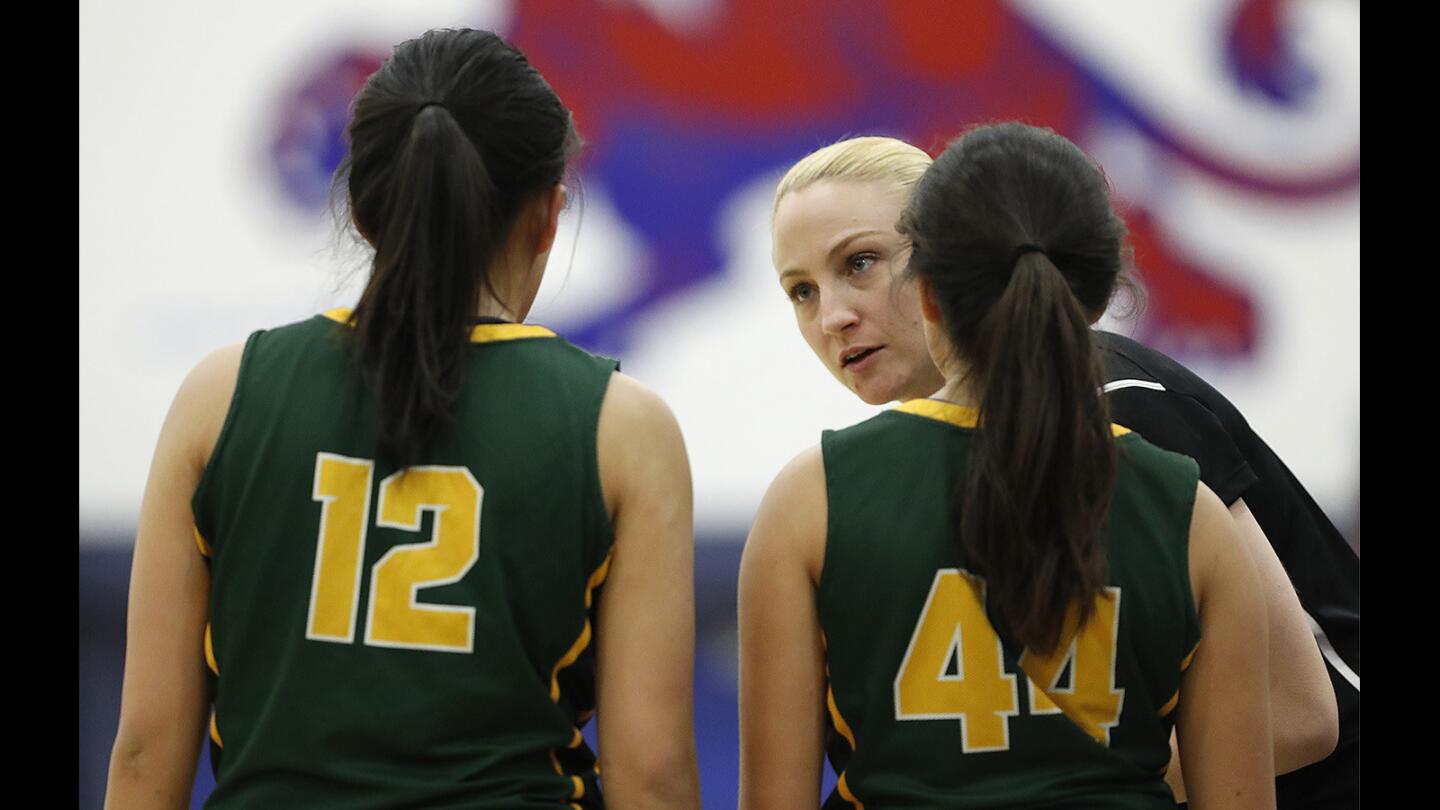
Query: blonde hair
{"x": 865, "y": 158}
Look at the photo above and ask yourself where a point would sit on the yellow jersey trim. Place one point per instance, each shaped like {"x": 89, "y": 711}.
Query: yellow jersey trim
{"x": 957, "y": 415}
{"x": 339, "y": 314}
{"x": 573, "y": 654}
{"x": 1169, "y": 705}
{"x": 845, "y": 793}
{"x": 210, "y": 652}
{"x": 496, "y": 332}
{"x": 200, "y": 542}
{"x": 1175, "y": 699}
{"x": 480, "y": 333}
{"x": 840, "y": 725}
{"x": 210, "y": 659}
{"x": 1185, "y": 664}
{"x": 962, "y": 415}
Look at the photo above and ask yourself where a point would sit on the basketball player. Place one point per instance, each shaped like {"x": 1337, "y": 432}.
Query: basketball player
{"x": 842, "y": 264}
{"x": 397, "y": 556}
{"x": 1001, "y": 598}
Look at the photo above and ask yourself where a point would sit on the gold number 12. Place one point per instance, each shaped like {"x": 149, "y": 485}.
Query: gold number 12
{"x": 393, "y": 617}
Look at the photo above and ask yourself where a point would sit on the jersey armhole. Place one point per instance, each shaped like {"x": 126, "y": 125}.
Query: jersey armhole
{"x": 610, "y": 369}
{"x": 1187, "y": 589}
{"x": 197, "y": 501}
{"x": 827, "y": 446}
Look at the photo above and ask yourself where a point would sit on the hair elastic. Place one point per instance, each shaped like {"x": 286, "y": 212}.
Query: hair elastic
{"x": 424, "y": 104}
{"x": 1029, "y": 248}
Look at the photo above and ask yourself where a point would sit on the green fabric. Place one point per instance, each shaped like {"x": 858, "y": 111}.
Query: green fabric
{"x": 889, "y": 481}
{"x": 314, "y": 723}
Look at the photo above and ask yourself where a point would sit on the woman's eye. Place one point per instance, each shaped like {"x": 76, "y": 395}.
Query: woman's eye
{"x": 801, "y": 293}
{"x": 861, "y": 262}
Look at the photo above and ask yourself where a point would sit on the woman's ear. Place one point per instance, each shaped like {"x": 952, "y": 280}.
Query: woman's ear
{"x": 929, "y": 304}
{"x": 547, "y": 215}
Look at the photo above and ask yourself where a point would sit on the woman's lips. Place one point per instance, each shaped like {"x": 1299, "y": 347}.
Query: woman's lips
{"x": 862, "y": 359}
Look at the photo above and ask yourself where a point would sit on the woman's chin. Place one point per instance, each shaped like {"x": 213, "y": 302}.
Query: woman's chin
{"x": 876, "y": 395}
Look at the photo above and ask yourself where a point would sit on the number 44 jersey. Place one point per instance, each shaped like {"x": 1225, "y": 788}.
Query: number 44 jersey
{"x": 415, "y": 640}
{"x": 927, "y": 706}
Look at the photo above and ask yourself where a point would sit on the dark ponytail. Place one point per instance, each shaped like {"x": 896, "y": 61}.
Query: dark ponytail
{"x": 450, "y": 137}
{"x": 1013, "y": 228}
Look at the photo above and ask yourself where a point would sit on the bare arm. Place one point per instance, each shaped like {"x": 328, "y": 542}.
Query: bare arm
{"x": 1304, "y": 719}
{"x": 1223, "y": 719}
{"x": 1303, "y": 715}
{"x": 164, "y": 702}
{"x": 782, "y": 663}
{"x": 646, "y": 624}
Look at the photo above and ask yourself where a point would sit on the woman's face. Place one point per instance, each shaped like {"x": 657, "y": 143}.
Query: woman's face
{"x": 841, "y": 262}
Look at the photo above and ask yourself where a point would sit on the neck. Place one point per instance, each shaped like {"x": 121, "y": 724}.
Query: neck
{"x": 490, "y": 308}
{"x": 960, "y": 391}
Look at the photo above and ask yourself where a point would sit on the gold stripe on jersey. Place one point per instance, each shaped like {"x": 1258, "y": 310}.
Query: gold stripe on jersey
{"x": 210, "y": 660}
{"x": 210, "y": 652}
{"x": 1185, "y": 663}
{"x": 577, "y": 790}
{"x": 583, "y": 641}
{"x": 573, "y": 654}
{"x": 495, "y": 332}
{"x": 1175, "y": 698}
{"x": 845, "y": 793}
{"x": 480, "y": 333}
{"x": 962, "y": 415}
{"x": 840, "y": 724}
{"x": 1169, "y": 704}
{"x": 598, "y": 577}
{"x": 957, "y": 415}
{"x": 339, "y": 314}
{"x": 200, "y": 542}
{"x": 844, "y": 728}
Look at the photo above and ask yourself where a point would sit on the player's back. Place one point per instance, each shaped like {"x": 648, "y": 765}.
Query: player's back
{"x": 928, "y": 707}
{"x": 383, "y": 640}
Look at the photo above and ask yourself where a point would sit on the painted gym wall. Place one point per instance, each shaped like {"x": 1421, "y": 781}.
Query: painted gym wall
{"x": 1229, "y": 130}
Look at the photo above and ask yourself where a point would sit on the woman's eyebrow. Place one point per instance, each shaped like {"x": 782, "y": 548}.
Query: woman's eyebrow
{"x": 846, "y": 240}
{"x": 834, "y": 249}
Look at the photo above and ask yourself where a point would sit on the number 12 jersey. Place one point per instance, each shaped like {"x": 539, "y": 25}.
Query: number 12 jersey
{"x": 385, "y": 640}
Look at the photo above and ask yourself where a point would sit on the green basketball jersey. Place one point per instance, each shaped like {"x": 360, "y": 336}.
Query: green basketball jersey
{"x": 416, "y": 640}
{"x": 927, "y": 706}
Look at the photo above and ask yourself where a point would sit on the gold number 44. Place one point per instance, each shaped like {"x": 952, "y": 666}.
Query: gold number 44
{"x": 393, "y": 617}
{"x": 979, "y": 692}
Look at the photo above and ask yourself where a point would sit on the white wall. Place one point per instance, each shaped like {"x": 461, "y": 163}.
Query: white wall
{"x": 187, "y": 244}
